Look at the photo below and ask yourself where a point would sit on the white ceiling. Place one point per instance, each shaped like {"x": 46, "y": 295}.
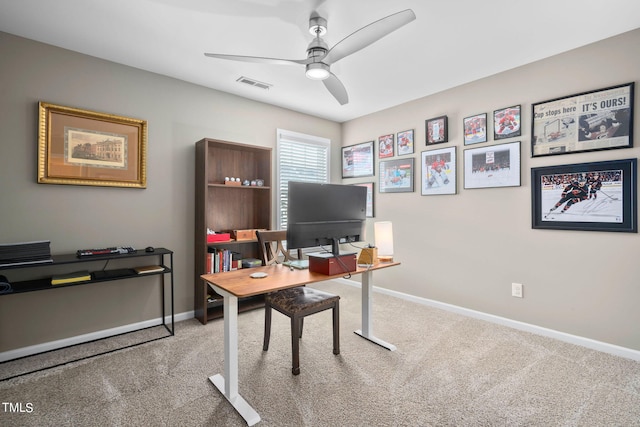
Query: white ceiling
{"x": 450, "y": 43}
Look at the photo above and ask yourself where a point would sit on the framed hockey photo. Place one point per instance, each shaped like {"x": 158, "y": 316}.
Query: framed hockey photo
{"x": 589, "y": 121}
{"x": 385, "y": 146}
{"x": 506, "y": 123}
{"x": 436, "y": 130}
{"x": 396, "y": 176}
{"x": 492, "y": 166}
{"x": 438, "y": 175}
{"x": 357, "y": 160}
{"x": 404, "y": 142}
{"x": 598, "y": 196}
{"x": 475, "y": 129}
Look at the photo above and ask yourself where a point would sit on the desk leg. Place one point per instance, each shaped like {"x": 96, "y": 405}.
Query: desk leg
{"x": 229, "y": 388}
{"x": 367, "y": 325}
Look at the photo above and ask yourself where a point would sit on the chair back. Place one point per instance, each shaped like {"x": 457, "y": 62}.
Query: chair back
{"x": 272, "y": 248}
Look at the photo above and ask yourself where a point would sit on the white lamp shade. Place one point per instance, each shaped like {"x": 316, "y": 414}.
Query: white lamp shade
{"x": 383, "y": 231}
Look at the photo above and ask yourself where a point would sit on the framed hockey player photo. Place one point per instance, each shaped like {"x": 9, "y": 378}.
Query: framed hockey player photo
{"x": 492, "y": 166}
{"x": 437, "y": 130}
{"x": 589, "y": 121}
{"x": 475, "y": 129}
{"x": 385, "y": 146}
{"x": 438, "y": 174}
{"x": 506, "y": 123}
{"x": 396, "y": 176}
{"x": 598, "y": 196}
{"x": 404, "y": 142}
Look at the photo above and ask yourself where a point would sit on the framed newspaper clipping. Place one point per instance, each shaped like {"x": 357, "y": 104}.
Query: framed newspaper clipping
{"x": 589, "y": 121}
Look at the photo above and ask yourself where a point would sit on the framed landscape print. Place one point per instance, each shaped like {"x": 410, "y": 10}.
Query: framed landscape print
{"x": 506, "y": 123}
{"x": 385, "y": 146}
{"x": 475, "y": 129}
{"x": 589, "y": 121}
{"x": 438, "y": 174}
{"x": 492, "y": 166}
{"x": 357, "y": 160}
{"x": 404, "y": 142}
{"x": 436, "y": 130}
{"x": 396, "y": 176}
{"x": 83, "y": 147}
{"x": 597, "y": 196}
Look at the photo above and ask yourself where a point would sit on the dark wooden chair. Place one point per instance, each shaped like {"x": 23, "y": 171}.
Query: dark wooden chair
{"x": 295, "y": 303}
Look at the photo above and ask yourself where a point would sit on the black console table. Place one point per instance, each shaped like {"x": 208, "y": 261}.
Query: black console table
{"x": 160, "y": 256}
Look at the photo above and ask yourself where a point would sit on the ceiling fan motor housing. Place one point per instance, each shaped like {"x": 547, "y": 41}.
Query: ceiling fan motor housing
{"x": 317, "y": 26}
{"x": 317, "y": 49}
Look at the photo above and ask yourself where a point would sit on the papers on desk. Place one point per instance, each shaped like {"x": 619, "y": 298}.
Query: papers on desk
{"x": 300, "y": 264}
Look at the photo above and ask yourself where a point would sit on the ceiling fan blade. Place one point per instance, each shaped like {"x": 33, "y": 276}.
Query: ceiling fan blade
{"x": 335, "y": 86}
{"x": 368, "y": 34}
{"x": 259, "y": 59}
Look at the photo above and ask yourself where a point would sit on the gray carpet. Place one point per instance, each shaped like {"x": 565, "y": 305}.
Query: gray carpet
{"x": 449, "y": 370}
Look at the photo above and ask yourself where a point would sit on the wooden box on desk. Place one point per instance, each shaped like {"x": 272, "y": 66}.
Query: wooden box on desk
{"x": 330, "y": 265}
{"x": 368, "y": 256}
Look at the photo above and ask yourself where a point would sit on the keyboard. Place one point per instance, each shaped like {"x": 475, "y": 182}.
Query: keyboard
{"x": 105, "y": 251}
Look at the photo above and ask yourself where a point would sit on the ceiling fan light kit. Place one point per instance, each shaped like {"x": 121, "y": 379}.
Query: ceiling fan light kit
{"x": 317, "y": 71}
{"x": 320, "y": 57}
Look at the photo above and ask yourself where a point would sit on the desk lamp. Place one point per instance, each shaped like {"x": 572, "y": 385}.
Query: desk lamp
{"x": 383, "y": 231}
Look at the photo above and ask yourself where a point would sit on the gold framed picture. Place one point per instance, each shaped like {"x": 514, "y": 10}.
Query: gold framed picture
{"x": 82, "y": 147}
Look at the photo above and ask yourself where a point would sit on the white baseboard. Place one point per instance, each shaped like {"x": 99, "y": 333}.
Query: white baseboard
{"x": 54, "y": 345}
{"x": 527, "y": 327}
{"x": 538, "y": 330}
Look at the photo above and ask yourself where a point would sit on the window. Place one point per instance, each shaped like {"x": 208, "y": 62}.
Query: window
{"x": 300, "y": 158}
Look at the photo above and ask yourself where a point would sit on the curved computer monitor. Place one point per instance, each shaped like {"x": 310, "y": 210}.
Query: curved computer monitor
{"x": 325, "y": 214}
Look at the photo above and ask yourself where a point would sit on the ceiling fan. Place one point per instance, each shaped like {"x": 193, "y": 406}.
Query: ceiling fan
{"x": 320, "y": 56}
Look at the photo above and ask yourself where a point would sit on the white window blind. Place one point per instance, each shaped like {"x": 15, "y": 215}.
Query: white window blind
{"x": 300, "y": 158}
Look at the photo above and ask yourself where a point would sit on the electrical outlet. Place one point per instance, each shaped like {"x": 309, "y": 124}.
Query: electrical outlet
{"x": 517, "y": 290}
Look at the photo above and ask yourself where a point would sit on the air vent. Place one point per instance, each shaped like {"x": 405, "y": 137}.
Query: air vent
{"x": 255, "y": 83}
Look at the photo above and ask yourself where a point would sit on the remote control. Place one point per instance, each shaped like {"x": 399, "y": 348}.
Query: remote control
{"x": 106, "y": 251}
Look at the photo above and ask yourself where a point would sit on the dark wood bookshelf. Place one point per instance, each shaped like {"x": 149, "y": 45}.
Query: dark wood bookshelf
{"x": 224, "y": 208}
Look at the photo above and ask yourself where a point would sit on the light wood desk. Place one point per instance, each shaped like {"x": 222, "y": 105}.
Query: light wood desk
{"x": 238, "y": 284}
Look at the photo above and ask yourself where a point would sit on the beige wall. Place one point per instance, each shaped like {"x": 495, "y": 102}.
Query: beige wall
{"x": 464, "y": 249}
{"x": 75, "y": 217}
{"x": 467, "y": 249}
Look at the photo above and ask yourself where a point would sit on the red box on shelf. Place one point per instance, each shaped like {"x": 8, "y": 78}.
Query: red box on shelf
{"x": 218, "y": 237}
